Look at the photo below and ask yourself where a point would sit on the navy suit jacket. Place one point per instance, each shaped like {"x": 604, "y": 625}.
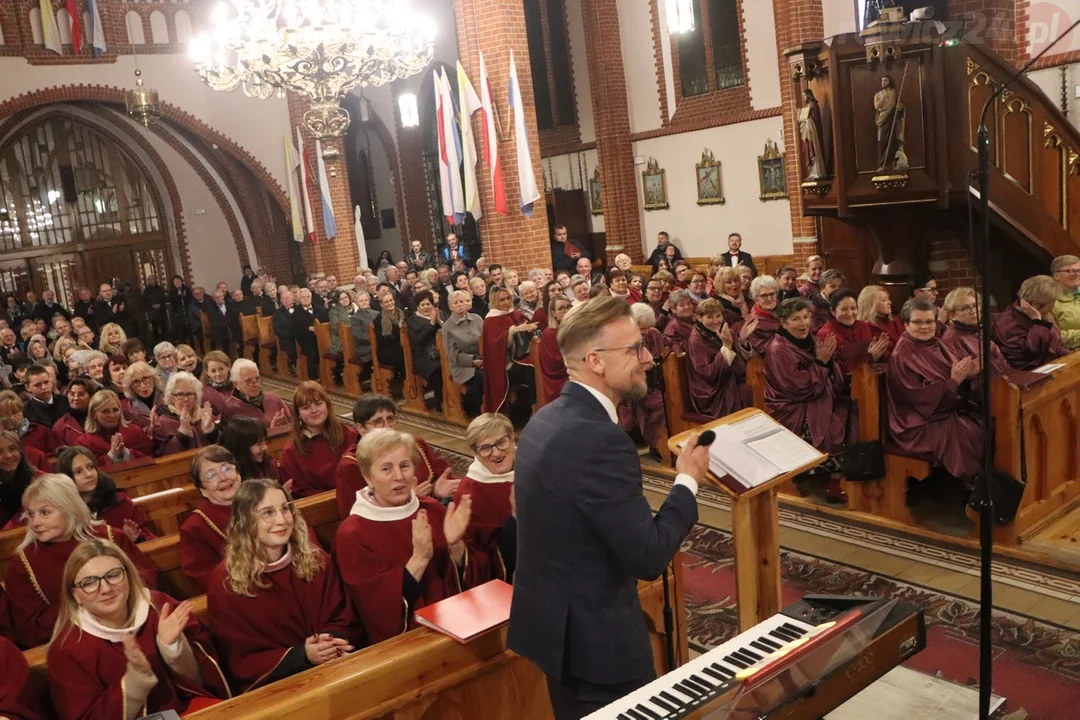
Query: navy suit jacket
{"x": 586, "y": 534}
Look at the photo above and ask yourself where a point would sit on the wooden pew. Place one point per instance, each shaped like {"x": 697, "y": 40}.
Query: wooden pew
{"x": 351, "y": 367}
{"x": 268, "y": 347}
{"x": 414, "y": 384}
{"x": 207, "y": 338}
{"x": 765, "y": 264}
{"x": 680, "y": 416}
{"x": 249, "y": 328}
{"x": 166, "y": 510}
{"x": 452, "y": 393}
{"x": 755, "y": 378}
{"x": 380, "y": 378}
{"x": 301, "y": 363}
{"x": 328, "y": 359}
{"x": 541, "y": 391}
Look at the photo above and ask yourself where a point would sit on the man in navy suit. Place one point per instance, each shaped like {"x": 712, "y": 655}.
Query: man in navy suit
{"x": 735, "y": 256}
{"x": 586, "y": 533}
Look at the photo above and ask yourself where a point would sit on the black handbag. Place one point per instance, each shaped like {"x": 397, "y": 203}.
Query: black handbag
{"x": 1006, "y": 491}
{"x": 863, "y": 461}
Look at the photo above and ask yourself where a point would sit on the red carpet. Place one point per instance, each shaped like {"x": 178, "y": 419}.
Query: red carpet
{"x": 1036, "y": 664}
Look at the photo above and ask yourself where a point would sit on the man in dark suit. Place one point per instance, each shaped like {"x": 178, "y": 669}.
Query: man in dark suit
{"x": 47, "y": 307}
{"x": 586, "y": 533}
{"x": 283, "y": 328}
{"x": 219, "y": 322}
{"x": 735, "y": 256}
{"x": 565, "y": 252}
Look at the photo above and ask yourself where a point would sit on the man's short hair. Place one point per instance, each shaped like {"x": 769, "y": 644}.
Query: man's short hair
{"x": 734, "y": 235}
{"x": 667, "y": 236}
{"x": 560, "y": 227}
{"x": 493, "y": 268}
{"x": 1063, "y": 261}
{"x": 36, "y": 369}
{"x": 368, "y": 406}
{"x": 581, "y": 327}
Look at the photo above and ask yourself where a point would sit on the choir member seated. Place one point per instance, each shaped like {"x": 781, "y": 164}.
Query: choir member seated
{"x": 1066, "y": 270}
{"x": 552, "y": 365}
{"x": 319, "y": 440}
{"x": 856, "y": 342}
{"x": 728, "y": 285}
{"x": 202, "y": 536}
{"x": 875, "y": 308}
{"x": 765, "y": 292}
{"x": 931, "y": 393}
{"x": 276, "y": 604}
{"x": 184, "y": 421}
{"x": 217, "y": 387}
{"x": 16, "y": 472}
{"x": 489, "y": 481}
{"x": 378, "y": 412}
{"x": 786, "y": 280}
{"x": 461, "y": 340}
{"x": 388, "y": 335}
{"x": 142, "y": 393}
{"x": 115, "y": 369}
{"x": 188, "y": 360}
{"x": 57, "y": 520}
{"x": 120, "y": 649}
{"x": 99, "y": 492}
{"x": 963, "y": 332}
{"x": 245, "y": 438}
{"x": 395, "y": 548}
{"x": 31, "y": 434}
{"x": 805, "y": 390}
{"x": 17, "y": 698}
{"x": 831, "y": 281}
{"x": 646, "y": 414}
{"x": 109, "y": 435}
{"x": 681, "y": 321}
{"x": 811, "y": 281}
{"x": 654, "y": 296}
{"x": 248, "y": 399}
{"x": 504, "y": 344}
{"x": 713, "y": 361}
{"x": 422, "y": 326}
{"x": 1026, "y": 331}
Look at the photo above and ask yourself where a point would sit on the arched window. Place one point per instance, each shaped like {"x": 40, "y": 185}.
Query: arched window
{"x": 182, "y": 27}
{"x": 159, "y": 28}
{"x": 63, "y": 24}
{"x": 35, "y": 26}
{"x": 135, "y": 33}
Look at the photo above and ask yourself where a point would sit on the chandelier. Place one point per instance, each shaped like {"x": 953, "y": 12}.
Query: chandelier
{"x": 318, "y": 48}
{"x": 142, "y": 102}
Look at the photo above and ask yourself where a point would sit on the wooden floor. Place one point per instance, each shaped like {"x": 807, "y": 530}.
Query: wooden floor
{"x": 904, "y": 694}
{"x": 1061, "y": 540}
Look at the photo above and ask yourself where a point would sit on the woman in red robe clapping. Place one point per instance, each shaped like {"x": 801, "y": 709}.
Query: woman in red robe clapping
{"x": 552, "y": 364}
{"x": 489, "y": 481}
{"x": 715, "y": 356}
{"x": 99, "y": 491}
{"x": 856, "y": 342}
{"x": 318, "y": 441}
{"x": 506, "y": 364}
{"x": 57, "y": 521}
{"x": 875, "y": 308}
{"x": 120, "y": 649}
{"x": 681, "y": 322}
{"x": 109, "y": 435}
{"x": 203, "y": 534}
{"x": 276, "y": 604}
{"x": 396, "y": 551}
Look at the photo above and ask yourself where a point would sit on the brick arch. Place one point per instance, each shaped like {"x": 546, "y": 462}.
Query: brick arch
{"x": 115, "y": 96}
{"x": 390, "y": 148}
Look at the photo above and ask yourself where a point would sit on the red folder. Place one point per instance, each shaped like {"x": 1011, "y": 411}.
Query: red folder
{"x": 470, "y": 614}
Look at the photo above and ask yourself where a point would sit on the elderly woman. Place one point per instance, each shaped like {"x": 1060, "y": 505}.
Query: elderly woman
{"x": 489, "y": 482}
{"x": 341, "y": 311}
{"x": 248, "y": 399}
{"x": 830, "y": 281}
{"x": 729, "y": 291}
{"x": 765, "y": 293}
{"x": 1066, "y": 270}
{"x": 1026, "y": 331}
{"x": 359, "y": 322}
{"x": 875, "y": 308}
{"x": 552, "y": 364}
{"x": 111, "y": 338}
{"x": 423, "y": 327}
{"x": 184, "y": 421}
{"x": 856, "y": 342}
{"x": 202, "y": 536}
{"x": 647, "y": 414}
{"x": 57, "y": 520}
{"x": 715, "y": 356}
{"x": 94, "y": 366}
{"x": 680, "y": 322}
{"x": 396, "y": 550}
{"x": 805, "y": 390}
{"x": 579, "y": 289}
{"x": 109, "y": 435}
{"x": 478, "y": 288}
{"x": 461, "y": 339}
{"x": 31, "y": 434}
{"x": 117, "y": 644}
{"x": 17, "y": 469}
{"x": 142, "y": 393}
{"x": 528, "y": 299}
{"x": 504, "y": 345}
{"x": 98, "y": 490}
{"x": 165, "y": 357}
{"x": 217, "y": 388}
{"x": 963, "y": 333}
{"x": 931, "y": 395}
{"x": 811, "y": 282}
{"x": 318, "y": 441}
{"x": 38, "y": 350}
{"x": 276, "y": 604}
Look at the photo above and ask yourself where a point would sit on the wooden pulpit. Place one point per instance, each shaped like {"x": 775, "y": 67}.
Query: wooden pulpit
{"x": 755, "y": 528}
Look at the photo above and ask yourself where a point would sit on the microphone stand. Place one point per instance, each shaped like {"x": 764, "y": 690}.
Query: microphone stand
{"x": 986, "y": 510}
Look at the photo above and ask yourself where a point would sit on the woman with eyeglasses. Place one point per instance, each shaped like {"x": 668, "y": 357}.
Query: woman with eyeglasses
{"x": 184, "y": 421}
{"x": 120, "y": 649}
{"x": 856, "y": 342}
{"x": 277, "y": 605}
{"x": 765, "y": 293}
{"x": 964, "y": 332}
{"x": 109, "y": 435}
{"x": 1026, "y": 331}
{"x": 378, "y": 412}
{"x": 99, "y": 492}
{"x": 318, "y": 442}
{"x": 57, "y": 520}
{"x": 681, "y": 321}
{"x": 202, "y": 536}
{"x": 395, "y": 550}
{"x": 552, "y": 363}
{"x": 142, "y": 393}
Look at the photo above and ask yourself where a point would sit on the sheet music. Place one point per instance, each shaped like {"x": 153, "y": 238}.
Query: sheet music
{"x": 756, "y": 425}
{"x": 785, "y": 450}
{"x": 1049, "y": 368}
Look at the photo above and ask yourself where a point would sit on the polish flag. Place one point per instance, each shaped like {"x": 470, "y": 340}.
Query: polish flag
{"x": 491, "y": 140}
{"x": 305, "y": 173}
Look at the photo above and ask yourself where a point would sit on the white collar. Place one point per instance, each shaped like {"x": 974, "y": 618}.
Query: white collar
{"x": 481, "y": 474}
{"x": 367, "y": 509}
{"x": 604, "y": 400}
{"x": 498, "y": 313}
{"x": 282, "y": 562}
{"x": 89, "y": 623}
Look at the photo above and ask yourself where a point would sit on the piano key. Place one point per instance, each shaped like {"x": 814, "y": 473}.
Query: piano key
{"x": 798, "y": 631}
{"x": 663, "y": 704}
{"x": 716, "y": 674}
{"x": 732, "y": 660}
{"x": 640, "y": 707}
{"x": 760, "y": 644}
{"x": 722, "y": 669}
{"x": 699, "y": 689}
{"x": 623, "y": 716}
{"x": 685, "y": 689}
{"x": 635, "y": 714}
{"x": 742, "y": 655}
{"x": 751, "y": 654}
{"x": 702, "y": 681}
{"x": 783, "y": 635}
{"x": 672, "y": 699}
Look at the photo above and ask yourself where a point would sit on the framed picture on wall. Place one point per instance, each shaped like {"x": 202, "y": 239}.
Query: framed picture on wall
{"x": 596, "y": 194}
{"x": 771, "y": 174}
{"x": 654, "y": 184}
{"x": 386, "y": 217}
{"x": 710, "y": 186}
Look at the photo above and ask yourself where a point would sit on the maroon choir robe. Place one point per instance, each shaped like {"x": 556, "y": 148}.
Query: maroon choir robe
{"x": 202, "y": 541}
{"x": 315, "y": 472}
{"x": 821, "y": 312}
{"x": 490, "y": 512}
{"x": 372, "y": 546}
{"x": 847, "y": 337}
{"x": 6, "y": 631}
{"x": 967, "y": 340}
{"x": 678, "y": 332}
{"x": 68, "y": 428}
{"x": 256, "y": 633}
{"x": 85, "y": 671}
{"x": 264, "y": 408}
{"x": 33, "y": 583}
{"x": 927, "y": 409}
{"x": 802, "y": 394}
{"x": 41, "y": 437}
{"x": 350, "y": 479}
{"x": 217, "y": 397}
{"x": 1026, "y": 343}
{"x": 767, "y": 325}
{"x": 732, "y": 314}
{"x": 552, "y": 365}
{"x": 17, "y": 698}
{"x": 662, "y": 315}
{"x": 138, "y": 413}
{"x": 648, "y": 414}
{"x": 891, "y": 325}
{"x": 494, "y": 342}
{"x": 712, "y": 381}
{"x": 540, "y": 317}
{"x": 125, "y": 509}
{"x": 135, "y": 440}
{"x": 167, "y": 439}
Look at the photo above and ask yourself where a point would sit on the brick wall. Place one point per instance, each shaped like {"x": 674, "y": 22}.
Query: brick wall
{"x": 993, "y": 22}
{"x": 951, "y": 264}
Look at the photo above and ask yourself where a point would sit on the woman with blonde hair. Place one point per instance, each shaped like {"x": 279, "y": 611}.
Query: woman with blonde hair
{"x": 875, "y": 308}
{"x": 188, "y": 360}
{"x": 109, "y": 435}
{"x": 143, "y": 389}
{"x": 1026, "y": 331}
{"x": 111, "y": 338}
{"x": 318, "y": 441}
{"x": 811, "y": 281}
{"x": 964, "y": 332}
{"x": 38, "y": 350}
{"x": 552, "y": 363}
{"x": 57, "y": 520}
{"x": 119, "y": 646}
{"x": 184, "y": 421}
{"x": 277, "y": 605}
{"x": 489, "y": 482}
{"x": 217, "y": 387}
{"x": 60, "y": 348}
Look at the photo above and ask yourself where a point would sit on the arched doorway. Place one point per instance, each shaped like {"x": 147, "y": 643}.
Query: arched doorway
{"x": 76, "y": 210}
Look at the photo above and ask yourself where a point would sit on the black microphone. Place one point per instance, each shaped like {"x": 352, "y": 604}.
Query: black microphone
{"x": 706, "y": 438}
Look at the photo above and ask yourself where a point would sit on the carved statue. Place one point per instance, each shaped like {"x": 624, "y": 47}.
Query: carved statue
{"x": 889, "y": 118}
{"x": 813, "y": 140}
{"x": 874, "y": 8}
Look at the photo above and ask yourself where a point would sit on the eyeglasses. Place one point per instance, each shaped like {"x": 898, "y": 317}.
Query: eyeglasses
{"x": 142, "y": 380}
{"x": 766, "y": 295}
{"x": 1070, "y": 272}
{"x": 383, "y": 422}
{"x": 183, "y": 395}
{"x": 931, "y": 290}
{"x": 486, "y": 449}
{"x": 634, "y": 350}
{"x": 967, "y": 308}
{"x": 922, "y": 323}
{"x": 92, "y": 584}
{"x": 225, "y": 469}
{"x": 251, "y": 380}
{"x": 267, "y": 515}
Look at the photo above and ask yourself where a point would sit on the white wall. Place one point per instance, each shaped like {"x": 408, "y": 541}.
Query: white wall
{"x": 566, "y": 172}
{"x": 579, "y": 59}
{"x": 701, "y": 230}
{"x": 1048, "y": 19}
{"x": 761, "y": 55}
{"x": 839, "y": 17}
{"x": 1049, "y": 81}
{"x": 642, "y": 96}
